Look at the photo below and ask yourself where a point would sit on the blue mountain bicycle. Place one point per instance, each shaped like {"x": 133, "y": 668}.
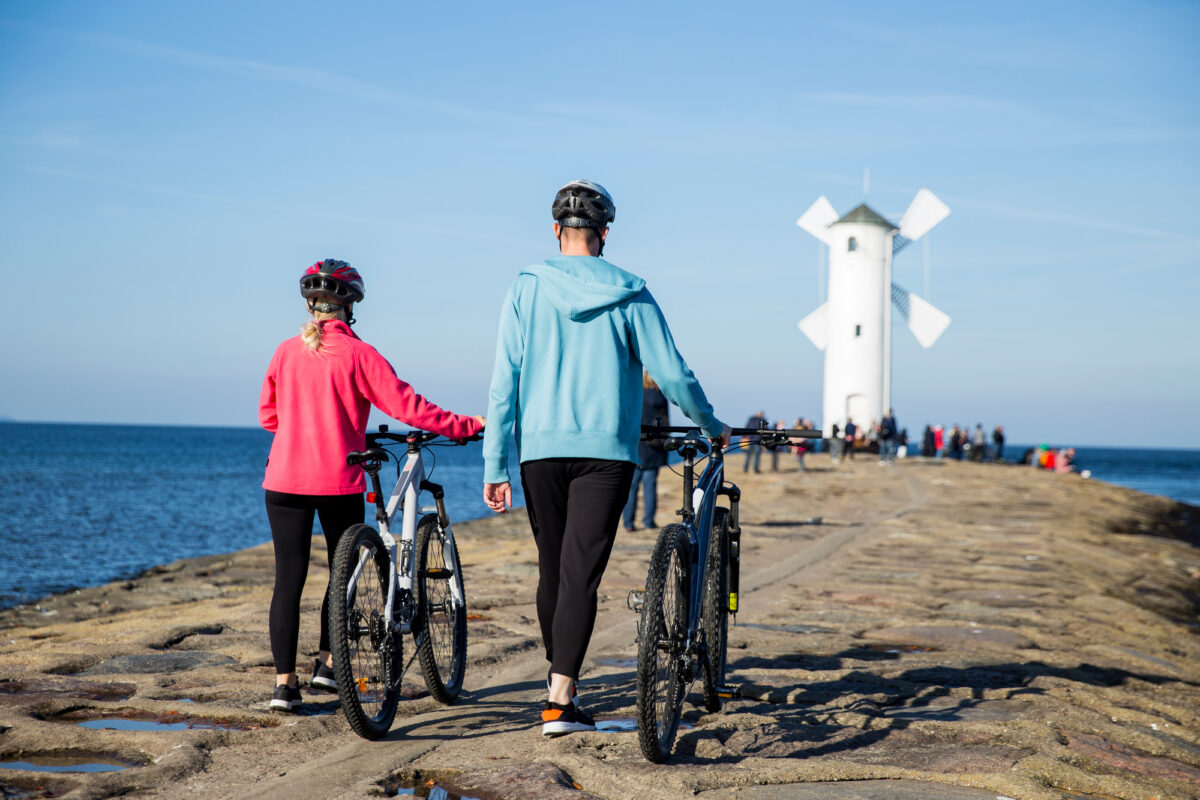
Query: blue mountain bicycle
{"x": 691, "y": 588}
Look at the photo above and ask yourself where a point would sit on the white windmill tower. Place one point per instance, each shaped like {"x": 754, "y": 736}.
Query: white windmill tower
{"x": 854, "y": 324}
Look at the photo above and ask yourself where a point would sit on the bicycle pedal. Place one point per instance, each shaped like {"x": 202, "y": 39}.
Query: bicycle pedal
{"x": 635, "y": 599}
{"x": 728, "y": 692}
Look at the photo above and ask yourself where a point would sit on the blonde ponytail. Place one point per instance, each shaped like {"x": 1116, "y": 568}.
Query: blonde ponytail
{"x": 311, "y": 333}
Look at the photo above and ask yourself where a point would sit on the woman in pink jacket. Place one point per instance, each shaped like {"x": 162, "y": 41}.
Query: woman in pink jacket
{"x": 316, "y": 398}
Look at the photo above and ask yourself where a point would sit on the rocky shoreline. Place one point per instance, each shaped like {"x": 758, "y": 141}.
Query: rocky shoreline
{"x": 932, "y": 630}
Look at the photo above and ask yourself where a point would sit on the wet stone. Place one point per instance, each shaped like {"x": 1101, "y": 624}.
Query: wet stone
{"x": 159, "y": 663}
{"x": 1130, "y": 760}
{"x": 955, "y": 709}
{"x": 926, "y": 752}
{"x": 953, "y": 636}
{"x": 23, "y": 692}
{"x": 1001, "y": 598}
{"x": 544, "y": 781}
{"x": 851, "y": 790}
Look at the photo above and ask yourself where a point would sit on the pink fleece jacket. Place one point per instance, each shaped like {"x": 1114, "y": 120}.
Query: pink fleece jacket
{"x": 316, "y": 404}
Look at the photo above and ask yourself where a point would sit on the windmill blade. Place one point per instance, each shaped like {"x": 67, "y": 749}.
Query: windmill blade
{"x": 925, "y": 211}
{"x": 818, "y": 218}
{"x": 816, "y": 325}
{"x": 926, "y": 321}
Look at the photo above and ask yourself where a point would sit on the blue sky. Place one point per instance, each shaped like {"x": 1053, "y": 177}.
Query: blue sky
{"x": 168, "y": 170}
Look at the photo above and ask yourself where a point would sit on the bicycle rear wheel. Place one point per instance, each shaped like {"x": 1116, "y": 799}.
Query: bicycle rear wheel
{"x": 663, "y": 661}
{"x": 366, "y": 653}
{"x": 440, "y": 627}
{"x": 714, "y": 609}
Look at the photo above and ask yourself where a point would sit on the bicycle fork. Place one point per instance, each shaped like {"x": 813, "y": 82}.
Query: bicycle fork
{"x": 449, "y": 551}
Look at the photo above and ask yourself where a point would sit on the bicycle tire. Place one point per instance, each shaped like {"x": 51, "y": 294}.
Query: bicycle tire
{"x": 662, "y": 658}
{"x": 714, "y": 610}
{"x": 366, "y": 656}
{"x": 440, "y": 627}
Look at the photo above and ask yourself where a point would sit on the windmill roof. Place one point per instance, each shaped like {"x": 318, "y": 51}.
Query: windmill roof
{"x": 865, "y": 215}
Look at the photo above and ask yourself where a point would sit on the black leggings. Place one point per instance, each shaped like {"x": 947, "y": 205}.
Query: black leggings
{"x": 574, "y": 505}
{"x": 291, "y": 518}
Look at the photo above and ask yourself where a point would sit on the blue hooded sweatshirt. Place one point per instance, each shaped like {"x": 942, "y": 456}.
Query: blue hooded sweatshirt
{"x": 575, "y": 334}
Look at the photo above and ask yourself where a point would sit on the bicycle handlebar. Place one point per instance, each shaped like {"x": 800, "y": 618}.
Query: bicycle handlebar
{"x": 656, "y": 431}
{"x": 408, "y": 437}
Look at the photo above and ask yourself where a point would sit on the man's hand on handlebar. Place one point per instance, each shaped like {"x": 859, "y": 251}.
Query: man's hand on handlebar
{"x": 726, "y": 435}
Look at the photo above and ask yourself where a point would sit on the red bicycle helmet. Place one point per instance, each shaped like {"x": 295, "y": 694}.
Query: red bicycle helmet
{"x": 335, "y": 278}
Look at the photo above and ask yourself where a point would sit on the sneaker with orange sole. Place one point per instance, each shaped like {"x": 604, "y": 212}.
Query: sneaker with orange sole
{"x": 562, "y": 719}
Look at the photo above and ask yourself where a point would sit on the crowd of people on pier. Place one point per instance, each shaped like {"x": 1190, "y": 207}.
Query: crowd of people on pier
{"x": 886, "y": 439}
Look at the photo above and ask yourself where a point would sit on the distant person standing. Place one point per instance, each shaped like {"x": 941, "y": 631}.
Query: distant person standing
{"x": 801, "y": 445}
{"x": 779, "y": 426}
{"x": 835, "y": 443}
{"x": 850, "y": 432}
{"x": 888, "y": 434}
{"x": 927, "y": 447}
{"x": 652, "y": 456}
{"x": 978, "y": 443}
{"x": 956, "y": 443}
{"x": 998, "y": 442}
{"x": 753, "y": 448}
{"x": 939, "y": 441}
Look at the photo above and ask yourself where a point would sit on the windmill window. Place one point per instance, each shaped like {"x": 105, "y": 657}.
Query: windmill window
{"x": 858, "y": 330}
{"x": 852, "y": 245}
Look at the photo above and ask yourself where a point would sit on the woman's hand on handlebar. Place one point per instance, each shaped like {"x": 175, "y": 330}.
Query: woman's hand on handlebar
{"x": 498, "y": 496}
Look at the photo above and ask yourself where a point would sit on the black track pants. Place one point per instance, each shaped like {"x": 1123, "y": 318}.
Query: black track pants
{"x": 574, "y": 506}
{"x": 291, "y": 518}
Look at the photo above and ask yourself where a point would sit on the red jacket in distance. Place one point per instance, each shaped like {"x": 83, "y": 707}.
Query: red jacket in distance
{"x": 317, "y": 402}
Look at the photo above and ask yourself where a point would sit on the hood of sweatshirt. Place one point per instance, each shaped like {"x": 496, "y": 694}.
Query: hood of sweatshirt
{"x": 583, "y": 287}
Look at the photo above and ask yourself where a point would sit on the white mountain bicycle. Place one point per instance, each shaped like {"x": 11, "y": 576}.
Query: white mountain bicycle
{"x": 382, "y": 587}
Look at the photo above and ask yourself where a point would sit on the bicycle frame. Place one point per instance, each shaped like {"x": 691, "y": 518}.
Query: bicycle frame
{"x": 700, "y": 503}
{"x": 402, "y": 505}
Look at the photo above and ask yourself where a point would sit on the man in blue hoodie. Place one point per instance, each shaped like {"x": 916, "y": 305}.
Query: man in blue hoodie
{"x": 575, "y": 334}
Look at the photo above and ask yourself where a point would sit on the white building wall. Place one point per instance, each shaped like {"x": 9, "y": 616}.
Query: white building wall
{"x": 859, "y": 297}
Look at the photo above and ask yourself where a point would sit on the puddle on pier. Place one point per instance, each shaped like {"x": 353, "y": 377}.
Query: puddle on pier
{"x": 10, "y": 791}
{"x": 68, "y": 761}
{"x": 133, "y": 720}
{"x": 625, "y": 724}
{"x": 616, "y": 725}
{"x": 627, "y": 663}
{"x": 429, "y": 789}
{"x": 171, "y": 721}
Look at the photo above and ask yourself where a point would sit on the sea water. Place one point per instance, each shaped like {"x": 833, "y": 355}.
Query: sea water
{"x": 83, "y": 505}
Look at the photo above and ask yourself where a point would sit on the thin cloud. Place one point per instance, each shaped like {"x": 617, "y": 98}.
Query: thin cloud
{"x": 241, "y": 201}
{"x": 311, "y": 78}
{"x": 1075, "y": 221}
{"x": 930, "y": 101}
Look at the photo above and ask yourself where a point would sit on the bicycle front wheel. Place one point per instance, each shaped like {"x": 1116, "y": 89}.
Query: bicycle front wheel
{"x": 663, "y": 661}
{"x": 366, "y": 652}
{"x": 441, "y": 624}
{"x": 714, "y": 609}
